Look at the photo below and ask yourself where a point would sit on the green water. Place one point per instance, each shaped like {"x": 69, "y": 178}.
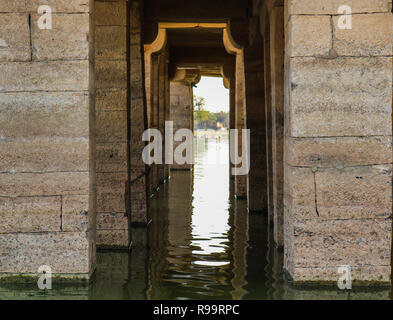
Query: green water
{"x": 202, "y": 244}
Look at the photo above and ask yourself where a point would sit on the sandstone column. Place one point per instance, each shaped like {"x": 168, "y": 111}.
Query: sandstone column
{"x": 47, "y": 204}
{"x": 111, "y": 116}
{"x": 338, "y": 145}
{"x": 182, "y": 106}
{"x": 137, "y": 123}
{"x": 277, "y": 44}
{"x": 228, "y": 73}
{"x": 254, "y": 97}
{"x": 240, "y": 121}
{"x": 268, "y": 112}
{"x": 152, "y": 84}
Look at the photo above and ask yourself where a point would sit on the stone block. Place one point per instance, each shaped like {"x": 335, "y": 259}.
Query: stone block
{"x": 338, "y": 151}
{"x": 111, "y": 13}
{"x": 371, "y": 35}
{"x": 44, "y": 155}
{"x": 49, "y": 114}
{"x": 112, "y": 221}
{"x": 30, "y": 214}
{"x": 354, "y": 193}
{"x": 333, "y": 243}
{"x": 299, "y": 193}
{"x": 340, "y": 97}
{"x": 14, "y": 37}
{"x": 111, "y": 74}
{"x": 331, "y": 6}
{"x": 26, "y": 252}
{"x": 363, "y": 276}
{"x": 111, "y": 157}
{"x": 115, "y": 238}
{"x": 111, "y": 191}
{"x": 45, "y": 76}
{"x": 111, "y": 100}
{"x": 13, "y": 6}
{"x": 60, "y": 6}
{"x": 309, "y": 36}
{"x": 75, "y": 212}
{"x": 111, "y": 43}
{"x": 67, "y": 40}
{"x": 111, "y": 126}
{"x": 44, "y": 184}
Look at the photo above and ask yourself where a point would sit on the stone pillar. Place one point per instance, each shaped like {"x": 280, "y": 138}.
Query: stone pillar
{"x": 47, "y": 205}
{"x": 181, "y": 113}
{"x": 277, "y": 44}
{"x": 338, "y": 145}
{"x": 240, "y": 121}
{"x": 162, "y": 100}
{"x": 137, "y": 122}
{"x": 256, "y": 121}
{"x": 182, "y": 105}
{"x": 268, "y": 115}
{"x": 153, "y": 52}
{"x": 167, "y": 109}
{"x": 228, "y": 73}
{"x": 111, "y": 123}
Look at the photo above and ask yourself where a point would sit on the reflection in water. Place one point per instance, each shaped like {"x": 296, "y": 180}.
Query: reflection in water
{"x": 202, "y": 244}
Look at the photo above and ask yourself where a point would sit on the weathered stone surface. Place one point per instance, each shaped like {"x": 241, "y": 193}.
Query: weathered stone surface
{"x": 111, "y": 126}
{"x": 371, "y": 35}
{"x": 44, "y": 184}
{"x": 44, "y": 155}
{"x": 67, "y": 40}
{"x": 299, "y": 198}
{"x": 45, "y": 76}
{"x": 331, "y": 6}
{"x": 111, "y": 157}
{"x": 113, "y": 238}
{"x": 354, "y": 193}
{"x": 309, "y": 36}
{"x": 64, "y": 6}
{"x": 14, "y": 37}
{"x": 55, "y": 114}
{"x": 75, "y": 212}
{"x": 347, "y": 193}
{"x": 364, "y": 275}
{"x": 138, "y": 207}
{"x": 111, "y": 100}
{"x": 344, "y": 96}
{"x": 112, "y": 13}
{"x": 112, "y": 221}
{"x": 111, "y": 74}
{"x": 30, "y": 214}
{"x": 12, "y": 5}
{"x": 111, "y": 190}
{"x": 26, "y": 252}
{"x": 111, "y": 43}
{"x": 342, "y": 151}
{"x": 333, "y": 243}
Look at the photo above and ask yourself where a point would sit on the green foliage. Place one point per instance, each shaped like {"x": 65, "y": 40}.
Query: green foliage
{"x": 204, "y": 119}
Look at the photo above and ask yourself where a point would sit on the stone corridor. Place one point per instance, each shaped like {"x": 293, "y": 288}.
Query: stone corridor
{"x": 75, "y": 100}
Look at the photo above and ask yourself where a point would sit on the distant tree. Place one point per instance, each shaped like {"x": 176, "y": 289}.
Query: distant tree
{"x": 204, "y": 119}
{"x": 223, "y": 118}
{"x": 199, "y": 103}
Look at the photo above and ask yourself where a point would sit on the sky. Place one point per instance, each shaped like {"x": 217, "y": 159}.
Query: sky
{"x": 214, "y": 92}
